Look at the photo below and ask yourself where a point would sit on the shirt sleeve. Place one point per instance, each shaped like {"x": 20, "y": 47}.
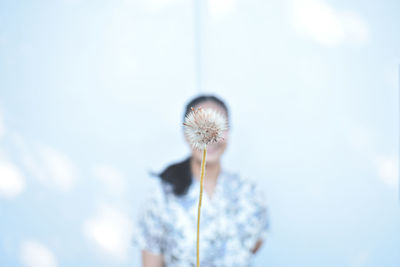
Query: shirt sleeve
{"x": 149, "y": 231}
{"x": 261, "y": 213}
{"x": 257, "y": 224}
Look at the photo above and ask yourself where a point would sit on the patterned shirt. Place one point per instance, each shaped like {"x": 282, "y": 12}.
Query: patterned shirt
{"x": 231, "y": 223}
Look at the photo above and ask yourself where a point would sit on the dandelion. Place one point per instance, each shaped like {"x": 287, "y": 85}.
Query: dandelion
{"x": 203, "y": 127}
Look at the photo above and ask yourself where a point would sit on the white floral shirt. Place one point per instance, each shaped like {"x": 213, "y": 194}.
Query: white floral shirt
{"x": 231, "y": 223}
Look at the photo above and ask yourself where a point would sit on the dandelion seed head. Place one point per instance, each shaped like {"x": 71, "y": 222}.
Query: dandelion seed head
{"x": 204, "y": 127}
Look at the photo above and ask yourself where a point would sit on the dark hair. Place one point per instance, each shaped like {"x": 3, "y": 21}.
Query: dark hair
{"x": 179, "y": 175}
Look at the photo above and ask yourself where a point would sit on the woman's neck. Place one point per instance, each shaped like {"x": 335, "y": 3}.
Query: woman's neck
{"x": 212, "y": 172}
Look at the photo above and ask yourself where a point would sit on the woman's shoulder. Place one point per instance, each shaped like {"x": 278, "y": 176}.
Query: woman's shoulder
{"x": 236, "y": 181}
{"x": 242, "y": 187}
{"x": 158, "y": 191}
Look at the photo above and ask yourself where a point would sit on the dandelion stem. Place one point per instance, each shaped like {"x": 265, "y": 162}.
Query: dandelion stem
{"x": 203, "y": 167}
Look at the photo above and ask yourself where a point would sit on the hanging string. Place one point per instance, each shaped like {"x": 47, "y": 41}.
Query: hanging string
{"x": 198, "y": 44}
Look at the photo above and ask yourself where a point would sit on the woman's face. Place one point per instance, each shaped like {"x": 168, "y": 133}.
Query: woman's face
{"x": 215, "y": 150}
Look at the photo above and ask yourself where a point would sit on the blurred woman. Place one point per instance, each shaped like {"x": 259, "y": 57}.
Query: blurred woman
{"x": 233, "y": 215}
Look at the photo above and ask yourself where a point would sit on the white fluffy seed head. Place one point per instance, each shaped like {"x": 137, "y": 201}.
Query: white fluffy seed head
{"x": 204, "y": 127}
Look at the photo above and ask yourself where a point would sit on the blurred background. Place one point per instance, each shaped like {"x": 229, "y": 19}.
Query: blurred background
{"x": 92, "y": 96}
